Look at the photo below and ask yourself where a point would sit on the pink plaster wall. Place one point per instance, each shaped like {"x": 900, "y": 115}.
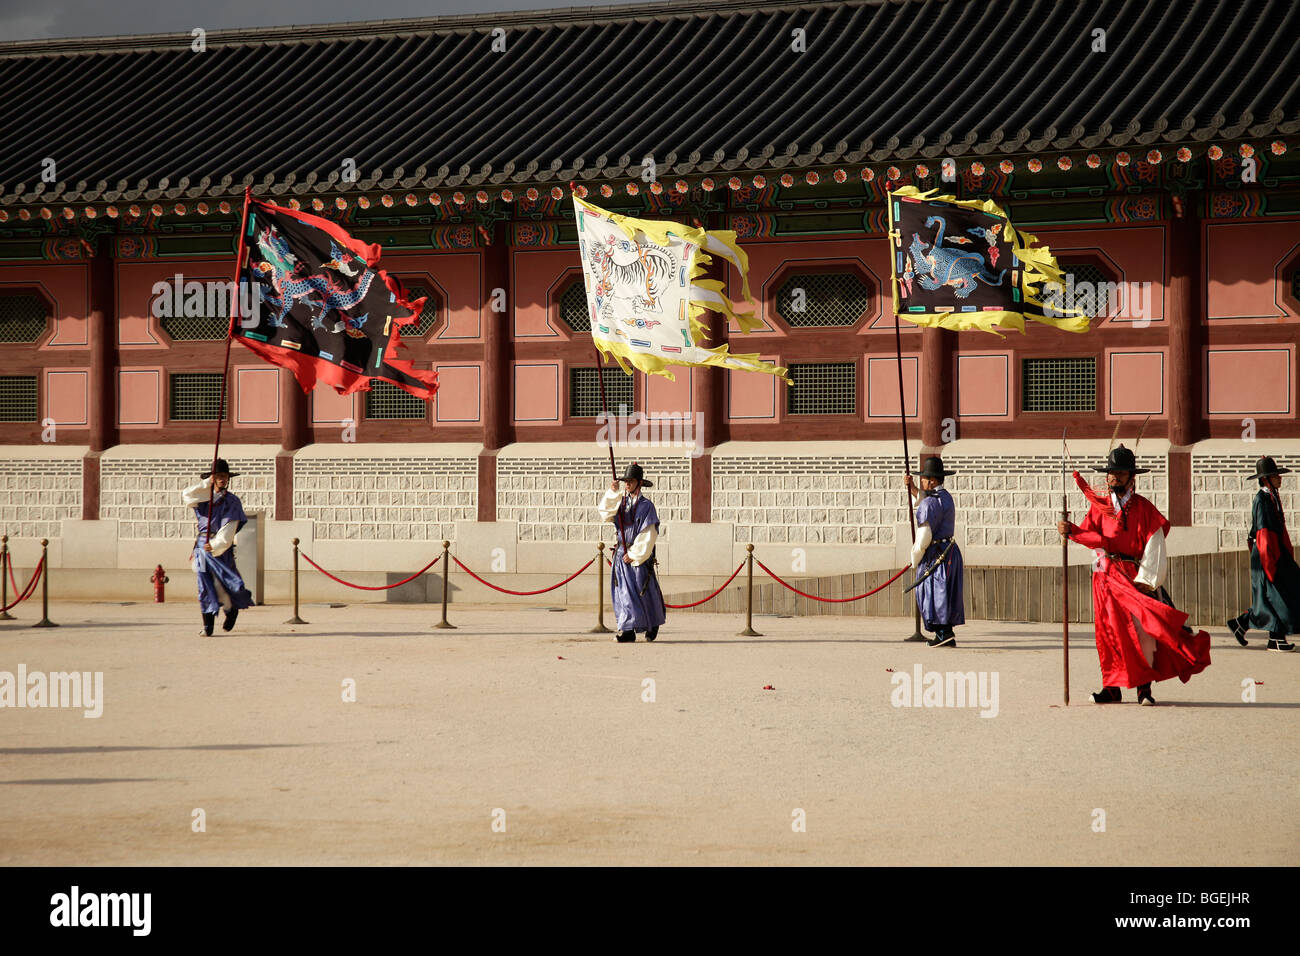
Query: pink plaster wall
{"x": 1244, "y": 263}
{"x": 140, "y": 399}
{"x": 538, "y": 274}
{"x": 537, "y": 393}
{"x": 67, "y": 286}
{"x": 752, "y": 395}
{"x": 457, "y": 279}
{"x": 665, "y": 396}
{"x": 1136, "y": 253}
{"x": 1256, "y": 380}
{"x": 770, "y": 262}
{"x": 257, "y": 395}
{"x": 136, "y": 326}
{"x": 328, "y": 407}
{"x": 983, "y": 385}
{"x": 882, "y": 386}
{"x": 66, "y": 391}
{"x": 457, "y": 399}
{"x": 1135, "y": 382}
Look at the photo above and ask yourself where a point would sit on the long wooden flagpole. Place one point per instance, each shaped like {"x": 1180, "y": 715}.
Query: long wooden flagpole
{"x": 894, "y": 244}
{"x": 225, "y": 365}
{"x": 1065, "y": 577}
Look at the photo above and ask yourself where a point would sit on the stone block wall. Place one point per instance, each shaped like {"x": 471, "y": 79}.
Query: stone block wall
{"x": 385, "y": 499}
{"x": 554, "y": 499}
{"x": 1223, "y": 494}
{"x": 1015, "y": 500}
{"x": 809, "y": 499}
{"x": 144, "y": 494}
{"x": 36, "y": 494}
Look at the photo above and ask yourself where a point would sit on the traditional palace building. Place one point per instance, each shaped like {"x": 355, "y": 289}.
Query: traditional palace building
{"x": 1155, "y": 147}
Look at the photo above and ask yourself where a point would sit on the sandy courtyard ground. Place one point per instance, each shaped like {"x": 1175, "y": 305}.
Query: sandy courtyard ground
{"x": 522, "y": 718}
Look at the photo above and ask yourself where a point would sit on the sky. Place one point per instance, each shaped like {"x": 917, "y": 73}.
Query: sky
{"x": 43, "y": 19}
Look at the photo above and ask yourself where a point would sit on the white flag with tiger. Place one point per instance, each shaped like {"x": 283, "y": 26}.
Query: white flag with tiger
{"x": 645, "y": 291}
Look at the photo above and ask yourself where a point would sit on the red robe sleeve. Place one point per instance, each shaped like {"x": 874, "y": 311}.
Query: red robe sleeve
{"x": 1089, "y": 533}
{"x": 1270, "y": 551}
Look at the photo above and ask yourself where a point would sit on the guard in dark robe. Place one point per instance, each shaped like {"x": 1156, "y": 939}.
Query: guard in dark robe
{"x": 1274, "y": 575}
{"x": 936, "y": 557}
{"x": 213, "y": 559}
{"x": 634, "y": 588}
{"x": 1141, "y": 636}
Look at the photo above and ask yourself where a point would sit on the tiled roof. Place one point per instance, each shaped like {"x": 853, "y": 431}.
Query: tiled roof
{"x": 586, "y": 93}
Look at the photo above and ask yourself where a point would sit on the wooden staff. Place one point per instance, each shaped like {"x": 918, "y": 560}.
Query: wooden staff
{"x": 1065, "y": 576}
{"x": 902, "y": 406}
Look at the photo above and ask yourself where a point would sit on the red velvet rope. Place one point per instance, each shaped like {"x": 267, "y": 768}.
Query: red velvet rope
{"x": 10, "y": 565}
{"x": 363, "y": 587}
{"x": 830, "y": 600}
{"x": 31, "y": 585}
{"x": 711, "y": 596}
{"x": 522, "y": 593}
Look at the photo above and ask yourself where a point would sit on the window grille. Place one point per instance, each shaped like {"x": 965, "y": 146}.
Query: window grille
{"x": 18, "y": 398}
{"x": 821, "y": 299}
{"x": 573, "y": 306}
{"x": 1295, "y": 284}
{"x": 211, "y": 326}
{"x": 584, "y": 392}
{"x": 428, "y": 317}
{"x": 386, "y": 400}
{"x": 1094, "y": 299}
{"x": 823, "y": 389}
{"x": 195, "y": 396}
{"x": 22, "y": 317}
{"x": 1059, "y": 385}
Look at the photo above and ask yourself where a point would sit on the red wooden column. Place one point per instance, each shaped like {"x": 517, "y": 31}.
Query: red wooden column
{"x": 1186, "y": 335}
{"x": 293, "y": 435}
{"x": 102, "y": 397}
{"x": 708, "y": 398}
{"x": 937, "y": 346}
{"x": 497, "y": 330}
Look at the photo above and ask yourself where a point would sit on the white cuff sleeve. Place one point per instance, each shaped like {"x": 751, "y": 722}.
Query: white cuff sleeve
{"x": 609, "y": 504}
{"x": 1154, "y": 566}
{"x": 643, "y": 545}
{"x": 224, "y": 539}
{"x": 923, "y": 538}
{"x": 196, "y": 494}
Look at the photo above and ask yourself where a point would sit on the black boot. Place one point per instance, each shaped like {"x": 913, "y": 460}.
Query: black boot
{"x": 651, "y": 634}
{"x": 228, "y": 624}
{"x": 943, "y": 637}
{"x": 1144, "y": 696}
{"x": 1239, "y": 628}
{"x": 1107, "y": 695}
{"x": 625, "y": 637}
{"x": 1277, "y": 642}
{"x": 208, "y": 621}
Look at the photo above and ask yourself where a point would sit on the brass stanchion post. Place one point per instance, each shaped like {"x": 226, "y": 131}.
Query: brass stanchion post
{"x": 4, "y": 578}
{"x": 446, "y": 570}
{"x": 45, "y": 586}
{"x": 295, "y": 619}
{"x": 749, "y": 594}
{"x": 600, "y": 627}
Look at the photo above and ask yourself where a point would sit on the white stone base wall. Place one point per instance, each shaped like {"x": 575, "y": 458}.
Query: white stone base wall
{"x": 37, "y": 493}
{"x": 1223, "y": 492}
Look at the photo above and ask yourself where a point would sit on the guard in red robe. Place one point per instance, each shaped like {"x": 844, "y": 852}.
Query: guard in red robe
{"x": 1141, "y": 636}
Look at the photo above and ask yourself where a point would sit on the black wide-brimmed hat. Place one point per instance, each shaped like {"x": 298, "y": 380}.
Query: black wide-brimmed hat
{"x": 933, "y": 468}
{"x": 1121, "y": 459}
{"x": 633, "y": 472}
{"x": 1266, "y": 466}
{"x": 223, "y": 468}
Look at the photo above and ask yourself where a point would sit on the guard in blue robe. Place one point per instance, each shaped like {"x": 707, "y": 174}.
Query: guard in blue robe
{"x": 1274, "y": 574}
{"x": 633, "y": 586}
{"x": 213, "y": 560}
{"x": 936, "y": 557}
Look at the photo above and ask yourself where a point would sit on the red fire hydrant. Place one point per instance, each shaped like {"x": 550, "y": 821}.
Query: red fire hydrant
{"x": 159, "y": 578}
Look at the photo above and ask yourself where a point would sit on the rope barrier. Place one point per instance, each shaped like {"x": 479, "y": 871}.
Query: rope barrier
{"x": 363, "y": 587}
{"x": 27, "y": 591}
{"x": 12, "y": 583}
{"x": 523, "y": 593}
{"x": 714, "y": 594}
{"x": 825, "y": 599}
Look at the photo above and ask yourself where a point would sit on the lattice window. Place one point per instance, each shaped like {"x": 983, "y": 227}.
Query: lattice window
{"x": 1059, "y": 385}
{"x": 821, "y": 299}
{"x": 18, "y": 398}
{"x": 386, "y": 400}
{"x": 22, "y": 317}
{"x": 195, "y": 396}
{"x": 1088, "y": 289}
{"x": 1295, "y": 283}
{"x": 573, "y": 306}
{"x": 428, "y": 317}
{"x": 584, "y": 392}
{"x": 829, "y": 388}
{"x": 211, "y": 326}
